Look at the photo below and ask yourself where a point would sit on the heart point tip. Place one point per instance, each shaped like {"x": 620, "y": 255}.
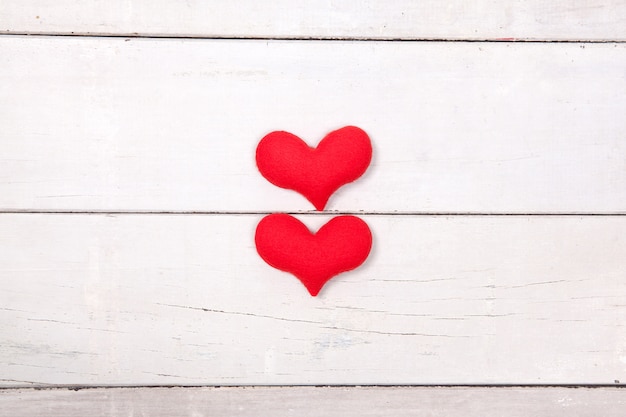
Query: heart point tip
{"x": 313, "y": 291}
{"x": 319, "y": 204}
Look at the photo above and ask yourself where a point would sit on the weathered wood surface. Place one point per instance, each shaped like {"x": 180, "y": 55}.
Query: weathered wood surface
{"x": 105, "y": 124}
{"x": 112, "y": 124}
{"x": 371, "y": 19}
{"x": 315, "y": 402}
{"x": 154, "y": 299}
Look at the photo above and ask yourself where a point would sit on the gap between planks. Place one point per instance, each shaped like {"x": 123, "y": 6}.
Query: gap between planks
{"x": 81, "y": 387}
{"x": 304, "y": 38}
{"x": 301, "y": 212}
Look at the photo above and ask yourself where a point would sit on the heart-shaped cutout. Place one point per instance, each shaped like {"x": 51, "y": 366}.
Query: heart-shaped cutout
{"x": 340, "y": 245}
{"x": 316, "y": 173}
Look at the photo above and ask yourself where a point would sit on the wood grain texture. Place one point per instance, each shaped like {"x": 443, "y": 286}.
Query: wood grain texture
{"x": 109, "y": 124}
{"x": 152, "y": 299}
{"x": 154, "y": 125}
{"x": 315, "y": 401}
{"x": 371, "y": 19}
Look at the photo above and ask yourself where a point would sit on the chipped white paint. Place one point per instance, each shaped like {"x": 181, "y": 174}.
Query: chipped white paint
{"x": 114, "y": 124}
{"x": 378, "y": 19}
{"x": 156, "y": 299}
{"x": 96, "y": 124}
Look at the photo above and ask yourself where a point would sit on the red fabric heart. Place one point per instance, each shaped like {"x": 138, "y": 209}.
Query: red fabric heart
{"x": 316, "y": 173}
{"x": 340, "y": 245}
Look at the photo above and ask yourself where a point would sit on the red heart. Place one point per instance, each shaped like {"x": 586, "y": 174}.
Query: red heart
{"x": 316, "y": 173}
{"x": 340, "y": 245}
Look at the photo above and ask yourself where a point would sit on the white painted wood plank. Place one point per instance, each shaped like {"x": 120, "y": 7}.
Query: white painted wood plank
{"x": 316, "y": 401}
{"x": 378, "y": 19}
{"x": 138, "y": 299}
{"x": 105, "y": 124}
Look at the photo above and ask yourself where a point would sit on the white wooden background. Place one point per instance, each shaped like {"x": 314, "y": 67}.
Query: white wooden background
{"x": 129, "y": 198}
{"x": 317, "y": 401}
{"x": 585, "y": 20}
